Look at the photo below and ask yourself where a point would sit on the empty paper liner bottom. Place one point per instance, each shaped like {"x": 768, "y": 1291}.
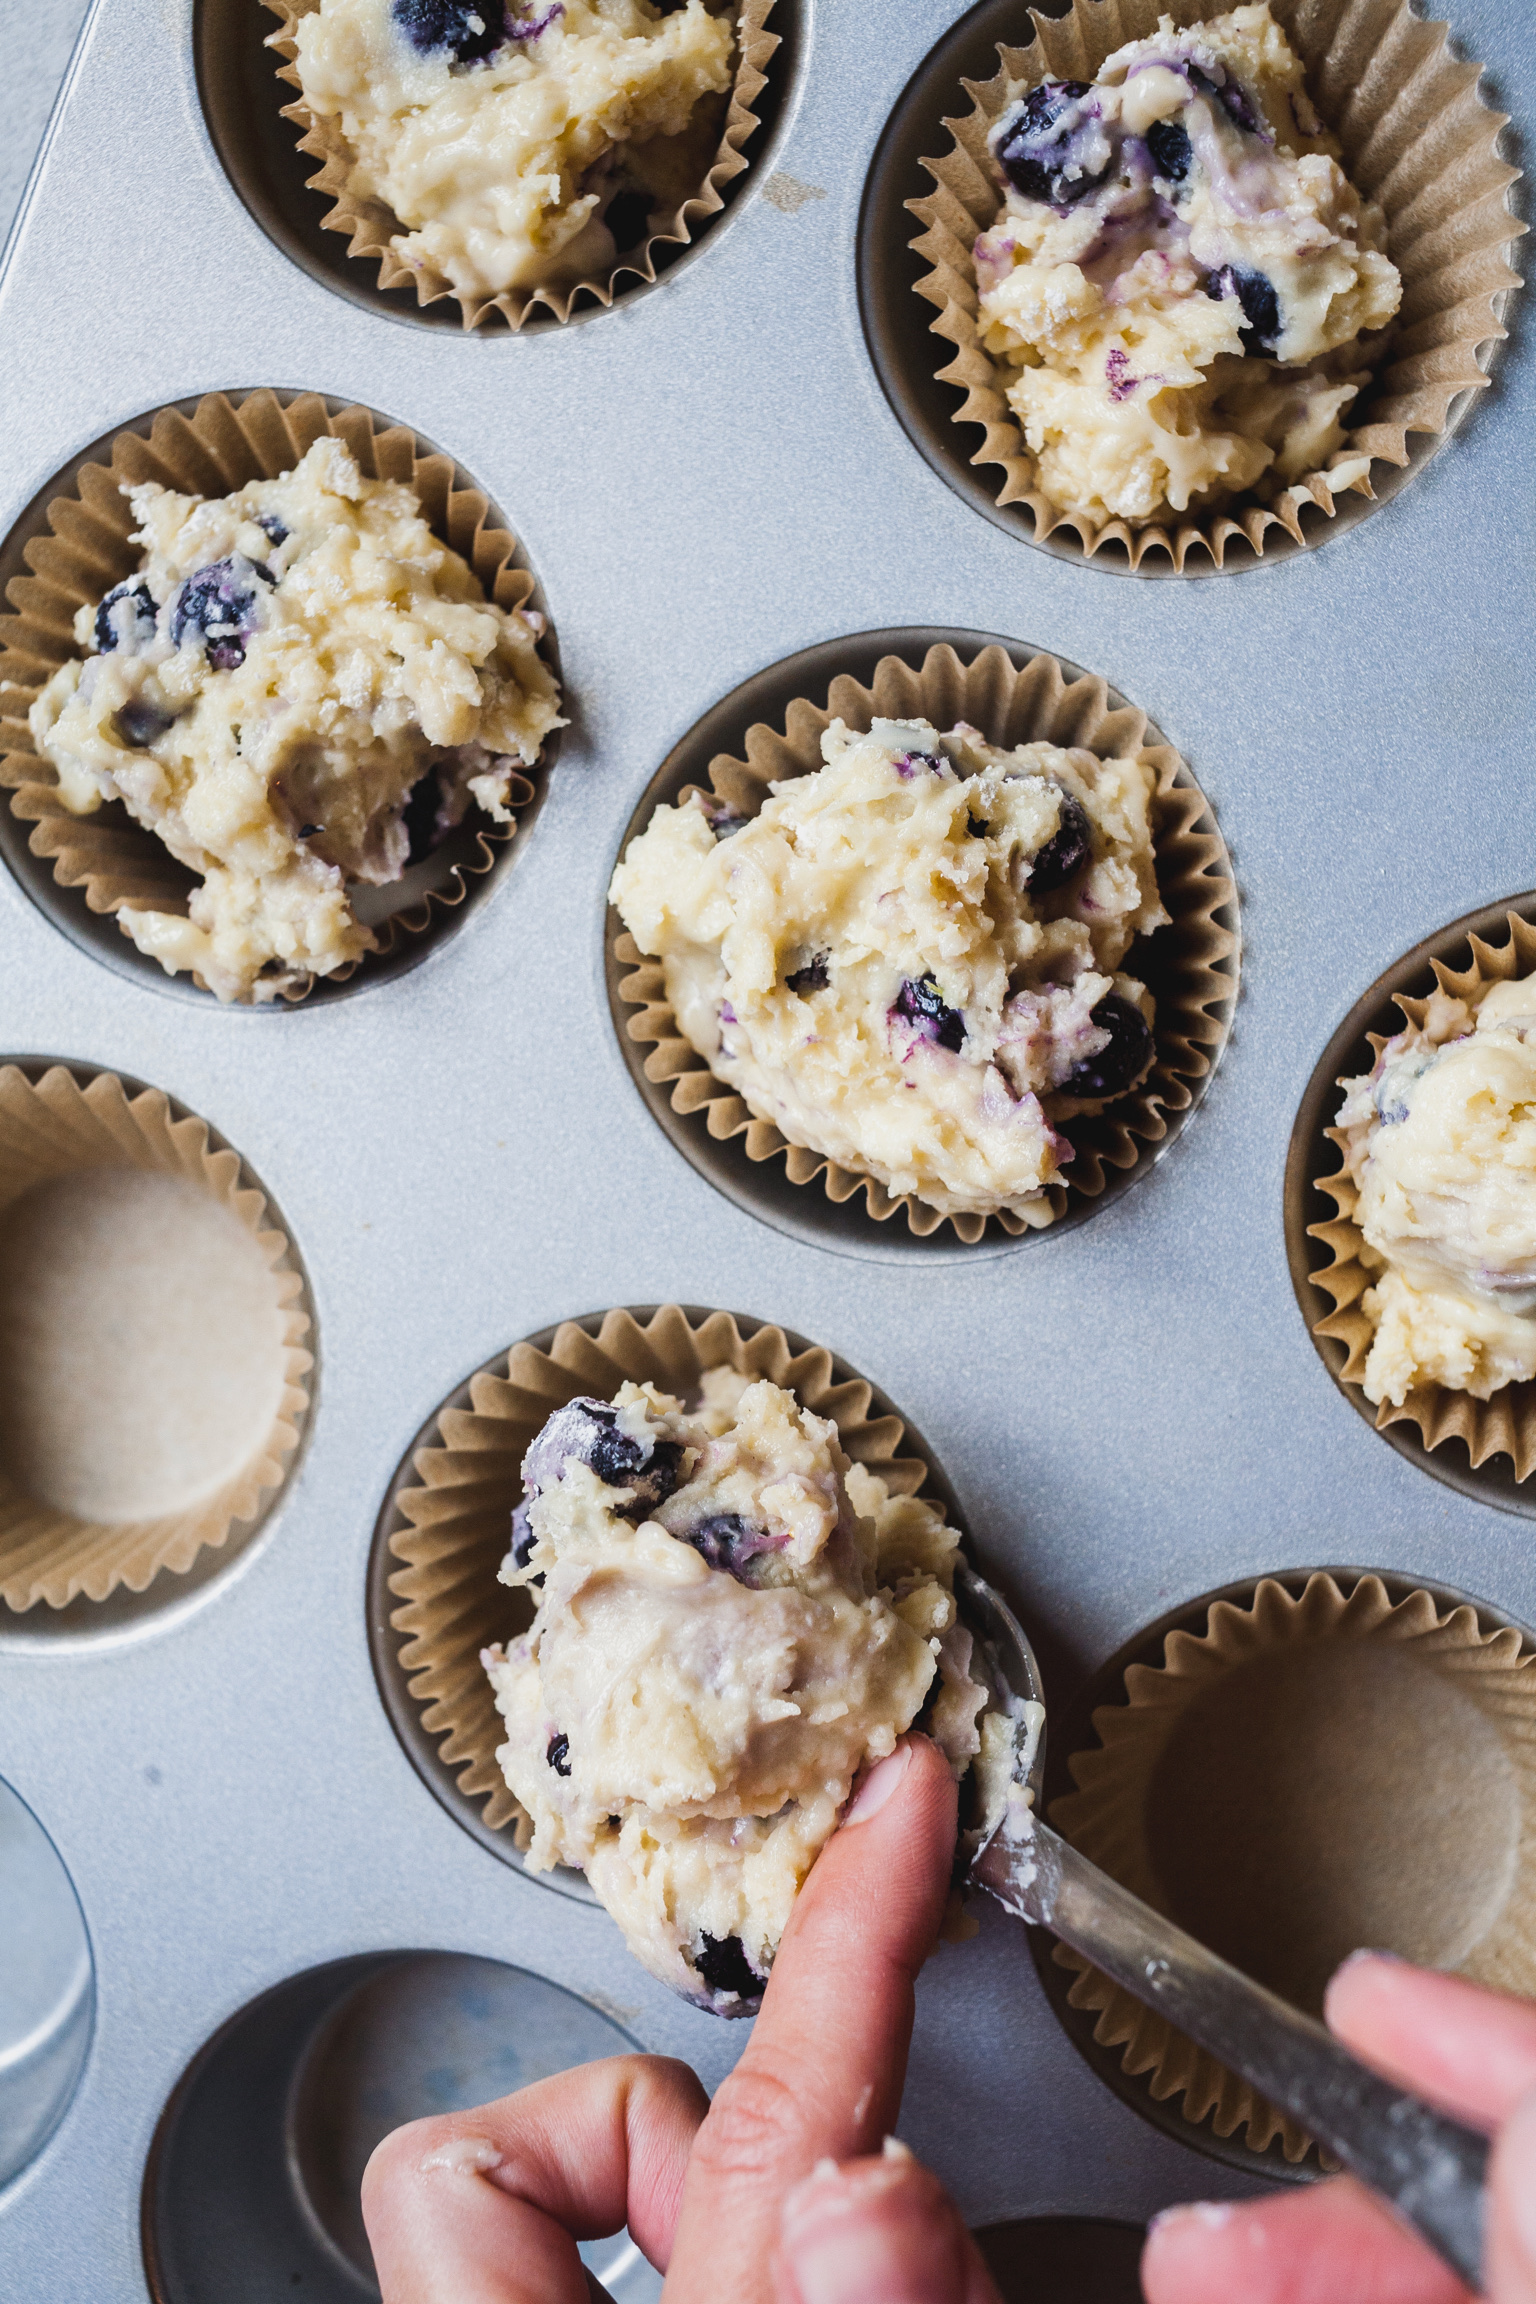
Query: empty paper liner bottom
{"x": 1190, "y": 965}
{"x": 457, "y": 1515}
{"x": 1316, "y": 1768}
{"x": 153, "y": 1375}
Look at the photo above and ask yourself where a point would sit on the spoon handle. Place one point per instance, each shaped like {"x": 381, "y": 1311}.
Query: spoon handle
{"x": 1429, "y": 2169}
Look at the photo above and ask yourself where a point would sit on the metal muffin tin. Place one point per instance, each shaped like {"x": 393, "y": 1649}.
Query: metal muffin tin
{"x": 708, "y": 479}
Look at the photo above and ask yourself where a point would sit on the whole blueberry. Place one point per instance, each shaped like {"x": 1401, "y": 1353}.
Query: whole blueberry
{"x": 559, "y": 1748}
{"x": 722, "y": 1963}
{"x": 276, "y": 531}
{"x": 219, "y": 605}
{"x": 139, "y": 722}
{"x": 978, "y": 827}
{"x": 523, "y": 1537}
{"x": 1170, "y": 148}
{"x": 1050, "y": 149}
{"x": 1068, "y": 849}
{"x": 470, "y": 30}
{"x": 1124, "y": 1060}
{"x": 1261, "y": 306}
{"x": 126, "y": 617}
{"x": 920, "y": 1004}
{"x": 725, "y": 1540}
{"x": 587, "y": 1431}
{"x": 812, "y": 977}
{"x": 723, "y": 821}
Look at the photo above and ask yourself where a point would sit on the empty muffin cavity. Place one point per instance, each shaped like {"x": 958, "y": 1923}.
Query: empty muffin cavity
{"x": 1417, "y": 142}
{"x": 1312, "y": 1766}
{"x": 152, "y": 1366}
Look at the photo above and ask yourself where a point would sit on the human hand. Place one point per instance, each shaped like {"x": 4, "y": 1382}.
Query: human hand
{"x": 1470, "y": 2052}
{"x": 777, "y": 2193}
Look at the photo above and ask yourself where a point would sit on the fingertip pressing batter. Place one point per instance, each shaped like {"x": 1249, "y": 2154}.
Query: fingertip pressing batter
{"x": 1440, "y": 1138}
{"x": 910, "y": 961}
{"x": 1180, "y": 275}
{"x": 733, "y": 1621}
{"x": 287, "y": 666}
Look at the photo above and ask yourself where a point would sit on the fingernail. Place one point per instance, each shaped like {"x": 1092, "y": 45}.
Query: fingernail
{"x": 878, "y": 1786}
{"x": 463, "y": 2156}
{"x": 1369, "y": 1952}
{"x": 1515, "y": 2180}
{"x": 834, "y": 2236}
{"x": 1212, "y": 2214}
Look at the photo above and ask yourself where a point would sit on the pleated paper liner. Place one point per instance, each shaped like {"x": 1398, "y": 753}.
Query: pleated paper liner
{"x": 1193, "y": 962}
{"x": 153, "y": 1369}
{"x": 457, "y": 1514}
{"x": 1417, "y": 139}
{"x": 1504, "y": 1425}
{"x": 371, "y": 226}
{"x": 80, "y": 547}
{"x": 1318, "y": 1765}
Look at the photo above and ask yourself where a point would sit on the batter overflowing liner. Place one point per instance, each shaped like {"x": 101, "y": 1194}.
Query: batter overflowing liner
{"x": 733, "y": 1621}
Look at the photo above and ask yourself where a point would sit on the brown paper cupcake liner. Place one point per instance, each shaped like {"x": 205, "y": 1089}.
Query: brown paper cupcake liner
{"x": 209, "y": 450}
{"x": 1506, "y": 1424}
{"x": 1417, "y": 138}
{"x": 458, "y": 1519}
{"x": 1467, "y": 1729}
{"x": 1010, "y": 706}
{"x": 371, "y": 225}
{"x": 54, "y": 1127}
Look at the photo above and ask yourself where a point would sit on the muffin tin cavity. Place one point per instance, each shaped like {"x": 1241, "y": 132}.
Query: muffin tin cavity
{"x": 251, "y": 2187}
{"x": 1014, "y": 694}
{"x": 1486, "y": 1448}
{"x": 1416, "y": 137}
{"x": 71, "y": 544}
{"x": 1064, "y": 2260}
{"x": 154, "y": 1362}
{"x": 1292, "y": 1769}
{"x": 290, "y": 190}
{"x": 445, "y": 1525}
{"x": 47, "y": 1987}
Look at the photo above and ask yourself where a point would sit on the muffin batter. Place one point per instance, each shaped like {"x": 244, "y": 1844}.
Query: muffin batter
{"x": 264, "y": 695}
{"x": 1179, "y": 261}
{"x": 1440, "y": 1137}
{"x": 734, "y": 1621}
{"x": 910, "y": 960}
{"x": 499, "y": 133}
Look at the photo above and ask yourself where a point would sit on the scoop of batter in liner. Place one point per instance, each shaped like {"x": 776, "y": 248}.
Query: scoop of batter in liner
{"x": 1440, "y": 1137}
{"x": 911, "y": 960}
{"x": 733, "y": 1622}
{"x": 289, "y": 665}
{"x": 1180, "y": 275}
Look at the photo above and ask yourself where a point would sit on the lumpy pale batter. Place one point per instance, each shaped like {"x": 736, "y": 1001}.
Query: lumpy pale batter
{"x": 733, "y": 1622}
{"x": 1440, "y": 1137}
{"x": 910, "y": 960}
{"x": 499, "y": 134}
{"x": 1178, "y": 254}
{"x": 287, "y": 665}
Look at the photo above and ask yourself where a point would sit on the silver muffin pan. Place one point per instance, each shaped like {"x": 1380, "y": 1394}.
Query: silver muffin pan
{"x": 710, "y": 478}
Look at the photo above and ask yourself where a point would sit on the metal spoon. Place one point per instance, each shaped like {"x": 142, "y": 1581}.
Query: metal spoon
{"x": 1430, "y": 2170}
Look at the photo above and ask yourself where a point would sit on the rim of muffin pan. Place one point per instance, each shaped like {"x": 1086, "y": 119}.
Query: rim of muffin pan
{"x": 255, "y": 2153}
{"x": 242, "y": 102}
{"x": 763, "y": 1188}
{"x": 1312, "y": 1155}
{"x": 454, "y": 882}
{"x": 173, "y": 1594}
{"x": 406, "y": 1712}
{"x": 1071, "y": 1732}
{"x": 906, "y": 355}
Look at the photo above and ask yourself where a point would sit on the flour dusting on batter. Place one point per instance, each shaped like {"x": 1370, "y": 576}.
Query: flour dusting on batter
{"x": 287, "y": 666}
{"x": 1180, "y": 275}
{"x": 1440, "y": 1137}
{"x": 911, "y": 960}
{"x": 733, "y": 1621}
{"x": 501, "y": 132}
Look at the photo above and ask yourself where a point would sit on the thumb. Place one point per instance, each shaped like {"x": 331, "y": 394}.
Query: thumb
{"x": 1510, "y": 2265}
{"x": 877, "y": 2232}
